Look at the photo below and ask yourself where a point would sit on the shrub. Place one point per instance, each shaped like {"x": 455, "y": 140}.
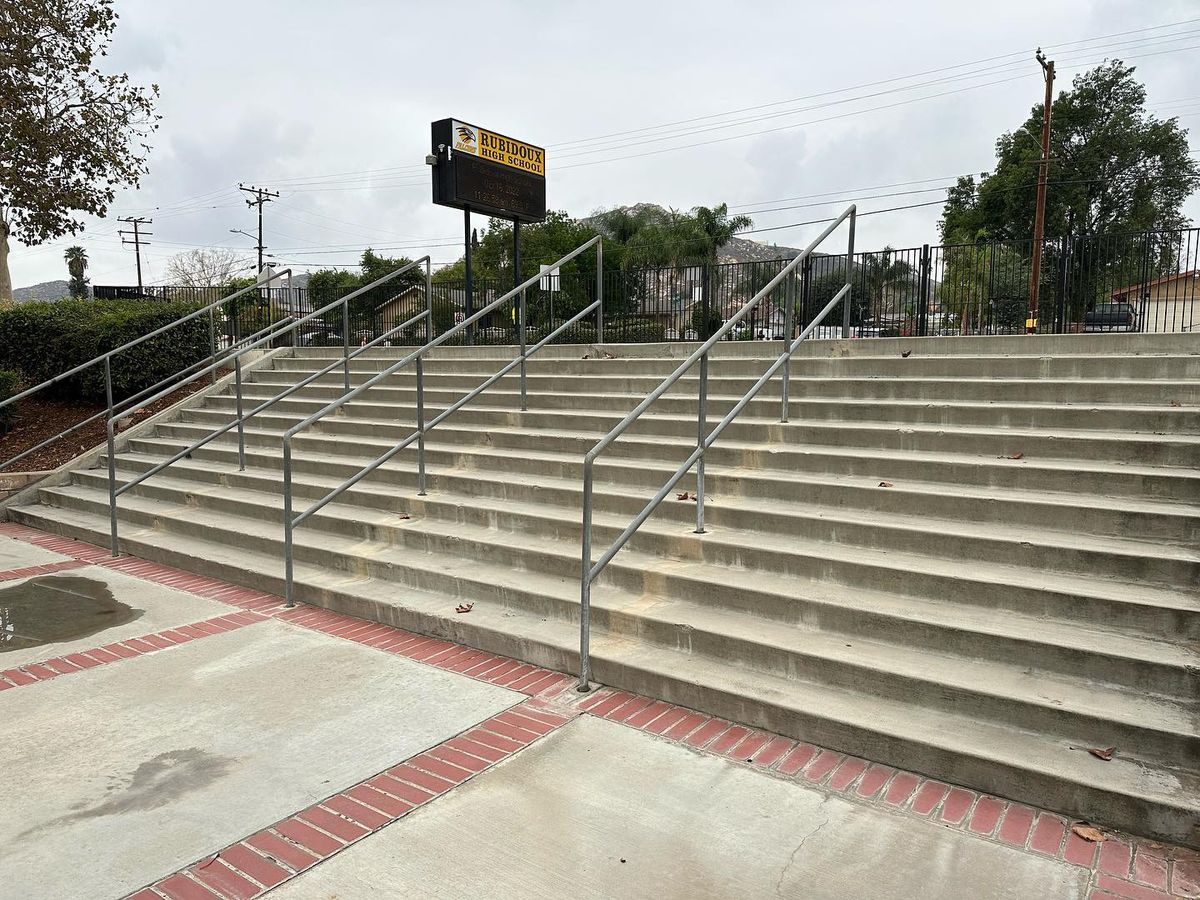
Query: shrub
{"x": 42, "y": 340}
{"x": 8, "y": 386}
{"x": 634, "y": 331}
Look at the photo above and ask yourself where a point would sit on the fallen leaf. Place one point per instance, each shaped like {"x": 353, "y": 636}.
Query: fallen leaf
{"x": 1088, "y": 832}
{"x": 1013, "y": 456}
{"x": 1176, "y": 403}
{"x": 684, "y": 495}
{"x": 404, "y": 516}
{"x": 906, "y": 354}
{"x": 1105, "y": 754}
{"x": 464, "y": 607}
{"x": 886, "y": 484}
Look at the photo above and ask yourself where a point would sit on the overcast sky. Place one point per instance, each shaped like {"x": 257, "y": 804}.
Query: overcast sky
{"x": 330, "y": 103}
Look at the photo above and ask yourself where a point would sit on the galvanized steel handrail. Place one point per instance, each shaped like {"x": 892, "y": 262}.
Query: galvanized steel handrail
{"x": 290, "y": 522}
{"x": 704, "y": 439}
{"x": 239, "y": 422}
{"x": 106, "y": 359}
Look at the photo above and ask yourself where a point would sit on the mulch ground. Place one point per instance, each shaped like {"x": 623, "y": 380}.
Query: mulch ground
{"x": 38, "y": 419}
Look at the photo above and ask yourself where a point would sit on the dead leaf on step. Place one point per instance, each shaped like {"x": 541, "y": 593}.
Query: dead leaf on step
{"x": 1012, "y": 456}
{"x": 886, "y": 484}
{"x": 1088, "y": 832}
{"x": 684, "y": 495}
{"x": 464, "y": 607}
{"x": 404, "y": 516}
{"x": 906, "y": 354}
{"x": 1176, "y": 403}
{"x": 1105, "y": 753}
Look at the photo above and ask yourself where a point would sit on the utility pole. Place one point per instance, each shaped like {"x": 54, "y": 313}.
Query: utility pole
{"x": 1039, "y": 217}
{"x": 137, "y": 242}
{"x": 261, "y": 196}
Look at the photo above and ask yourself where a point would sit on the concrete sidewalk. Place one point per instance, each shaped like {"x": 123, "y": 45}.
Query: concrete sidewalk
{"x": 600, "y": 811}
{"x": 211, "y": 744}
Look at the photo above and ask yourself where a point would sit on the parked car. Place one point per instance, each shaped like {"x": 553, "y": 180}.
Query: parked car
{"x": 1111, "y": 317}
{"x": 319, "y": 336}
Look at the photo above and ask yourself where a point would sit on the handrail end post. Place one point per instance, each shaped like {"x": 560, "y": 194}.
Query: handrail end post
{"x": 114, "y": 541}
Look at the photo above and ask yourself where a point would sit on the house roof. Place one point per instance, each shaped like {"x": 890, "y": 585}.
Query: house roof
{"x": 1166, "y": 279}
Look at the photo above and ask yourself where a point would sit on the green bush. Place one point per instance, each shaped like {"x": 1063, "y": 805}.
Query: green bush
{"x": 8, "y": 386}
{"x": 634, "y": 331}
{"x": 42, "y": 340}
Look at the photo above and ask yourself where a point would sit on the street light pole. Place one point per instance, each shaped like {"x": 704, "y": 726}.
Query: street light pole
{"x": 1039, "y": 217}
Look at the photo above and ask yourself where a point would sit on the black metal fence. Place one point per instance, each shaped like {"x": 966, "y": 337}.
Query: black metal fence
{"x": 1144, "y": 282}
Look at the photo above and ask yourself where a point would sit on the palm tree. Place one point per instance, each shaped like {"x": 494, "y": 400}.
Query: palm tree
{"x": 716, "y": 228}
{"x": 76, "y": 259}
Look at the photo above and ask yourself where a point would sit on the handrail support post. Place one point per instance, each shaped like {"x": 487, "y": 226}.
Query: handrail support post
{"x": 212, "y": 341}
{"x": 789, "y": 325}
{"x": 346, "y": 345}
{"x": 241, "y": 425}
{"x": 600, "y": 291}
{"x": 288, "y": 571}
{"x": 701, "y": 429}
{"x": 849, "y": 273}
{"x": 420, "y": 427}
{"x": 114, "y": 544}
{"x": 524, "y": 352}
{"x": 585, "y": 585}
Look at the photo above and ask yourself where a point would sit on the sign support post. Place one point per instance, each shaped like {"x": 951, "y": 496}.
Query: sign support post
{"x": 468, "y": 300}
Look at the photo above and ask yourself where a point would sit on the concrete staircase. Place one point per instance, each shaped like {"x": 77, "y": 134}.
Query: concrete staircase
{"x": 975, "y": 561}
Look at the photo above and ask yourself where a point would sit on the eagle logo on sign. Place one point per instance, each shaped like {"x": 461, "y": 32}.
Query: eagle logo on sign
{"x": 466, "y": 140}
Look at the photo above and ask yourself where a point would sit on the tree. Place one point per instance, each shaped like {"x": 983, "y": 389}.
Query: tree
{"x": 204, "y": 268}
{"x": 77, "y": 263}
{"x": 717, "y": 228}
{"x": 326, "y": 285}
{"x": 883, "y": 275}
{"x": 70, "y": 135}
{"x": 1115, "y": 167}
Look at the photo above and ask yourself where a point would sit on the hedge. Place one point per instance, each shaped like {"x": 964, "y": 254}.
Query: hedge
{"x": 8, "y": 386}
{"x": 42, "y": 340}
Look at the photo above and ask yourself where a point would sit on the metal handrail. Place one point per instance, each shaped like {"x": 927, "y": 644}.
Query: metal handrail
{"x": 240, "y": 421}
{"x": 120, "y": 408}
{"x": 106, "y": 359}
{"x": 290, "y": 522}
{"x": 704, "y": 439}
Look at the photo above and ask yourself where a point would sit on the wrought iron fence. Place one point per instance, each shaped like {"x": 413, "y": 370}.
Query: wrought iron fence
{"x": 1143, "y": 281}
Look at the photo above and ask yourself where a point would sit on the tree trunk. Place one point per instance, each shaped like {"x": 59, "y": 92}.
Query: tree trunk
{"x": 6, "y": 292}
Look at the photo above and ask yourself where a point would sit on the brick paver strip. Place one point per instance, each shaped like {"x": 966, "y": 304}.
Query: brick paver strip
{"x": 268, "y": 858}
{"x": 1121, "y": 866}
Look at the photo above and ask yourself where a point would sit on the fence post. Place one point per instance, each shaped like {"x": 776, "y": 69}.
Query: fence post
{"x": 925, "y": 285}
{"x": 1064, "y": 285}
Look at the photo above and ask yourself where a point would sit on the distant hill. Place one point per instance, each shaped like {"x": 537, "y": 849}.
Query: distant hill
{"x": 47, "y": 290}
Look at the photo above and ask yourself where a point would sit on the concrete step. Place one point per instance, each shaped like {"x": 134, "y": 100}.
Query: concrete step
{"x": 1148, "y": 392}
{"x": 1078, "y": 514}
{"x": 1049, "y": 769}
{"x": 630, "y": 457}
{"x": 1003, "y": 415}
{"x": 577, "y": 431}
{"x": 1158, "y": 614}
{"x": 1169, "y": 367}
{"x": 1042, "y": 550}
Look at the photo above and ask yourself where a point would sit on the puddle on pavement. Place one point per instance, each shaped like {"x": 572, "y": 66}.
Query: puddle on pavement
{"x": 55, "y": 608}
